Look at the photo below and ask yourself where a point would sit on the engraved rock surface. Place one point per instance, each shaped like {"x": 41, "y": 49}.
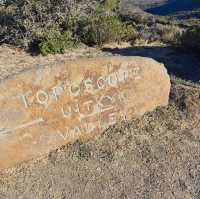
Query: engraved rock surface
{"x": 47, "y": 107}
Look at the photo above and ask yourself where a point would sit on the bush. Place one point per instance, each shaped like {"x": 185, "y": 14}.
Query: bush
{"x": 103, "y": 27}
{"x": 24, "y": 25}
{"x": 111, "y": 5}
{"x": 51, "y": 26}
{"x": 56, "y": 42}
{"x": 169, "y": 33}
{"x": 190, "y": 39}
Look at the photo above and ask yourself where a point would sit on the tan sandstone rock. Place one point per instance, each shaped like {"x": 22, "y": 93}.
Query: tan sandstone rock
{"x": 44, "y": 108}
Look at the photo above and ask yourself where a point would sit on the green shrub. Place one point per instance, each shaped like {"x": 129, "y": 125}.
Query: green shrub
{"x": 111, "y": 5}
{"x": 103, "y": 27}
{"x": 190, "y": 39}
{"x": 56, "y": 42}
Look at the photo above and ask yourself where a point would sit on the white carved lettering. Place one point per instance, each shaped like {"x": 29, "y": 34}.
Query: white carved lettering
{"x": 66, "y": 111}
{"x": 101, "y": 83}
{"x": 42, "y": 97}
{"x": 75, "y": 90}
{"x": 112, "y": 80}
{"x": 57, "y": 91}
{"x": 88, "y": 85}
{"x": 24, "y": 98}
{"x": 89, "y": 106}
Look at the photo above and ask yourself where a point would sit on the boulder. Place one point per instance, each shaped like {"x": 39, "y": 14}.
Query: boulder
{"x": 46, "y": 107}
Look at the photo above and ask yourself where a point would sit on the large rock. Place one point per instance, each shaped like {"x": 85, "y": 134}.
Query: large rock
{"x": 47, "y": 107}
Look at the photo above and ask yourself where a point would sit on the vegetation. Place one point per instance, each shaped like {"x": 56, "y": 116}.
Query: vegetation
{"x": 100, "y": 29}
{"x": 153, "y": 28}
{"x": 49, "y": 26}
{"x": 53, "y": 26}
{"x": 56, "y": 42}
{"x": 169, "y": 33}
{"x": 190, "y": 39}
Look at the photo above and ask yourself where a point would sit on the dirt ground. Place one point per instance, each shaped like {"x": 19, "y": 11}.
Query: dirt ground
{"x": 14, "y": 60}
{"x": 153, "y": 157}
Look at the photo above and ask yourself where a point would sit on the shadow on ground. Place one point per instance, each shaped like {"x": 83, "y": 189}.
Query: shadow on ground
{"x": 178, "y": 63}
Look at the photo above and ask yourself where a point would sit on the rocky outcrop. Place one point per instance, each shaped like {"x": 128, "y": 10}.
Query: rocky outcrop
{"x": 46, "y": 107}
